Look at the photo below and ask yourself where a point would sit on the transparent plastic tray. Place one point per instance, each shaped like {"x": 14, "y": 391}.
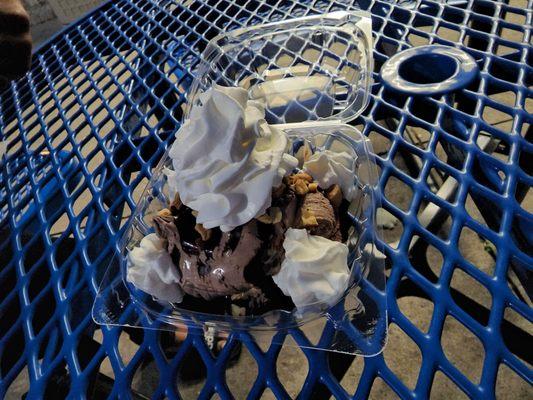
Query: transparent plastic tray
{"x": 312, "y": 74}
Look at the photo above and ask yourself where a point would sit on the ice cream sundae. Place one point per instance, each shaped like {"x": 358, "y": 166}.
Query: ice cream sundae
{"x": 252, "y": 221}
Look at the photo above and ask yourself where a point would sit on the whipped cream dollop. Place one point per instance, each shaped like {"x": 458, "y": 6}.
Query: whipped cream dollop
{"x": 151, "y": 269}
{"x": 226, "y": 159}
{"x": 330, "y": 167}
{"x": 314, "y": 269}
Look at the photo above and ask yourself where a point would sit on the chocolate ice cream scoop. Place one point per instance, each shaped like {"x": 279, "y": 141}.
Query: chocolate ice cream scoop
{"x": 317, "y": 216}
{"x": 213, "y": 268}
{"x": 220, "y": 272}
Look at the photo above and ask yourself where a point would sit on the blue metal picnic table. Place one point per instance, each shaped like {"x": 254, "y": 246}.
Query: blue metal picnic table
{"x": 105, "y": 95}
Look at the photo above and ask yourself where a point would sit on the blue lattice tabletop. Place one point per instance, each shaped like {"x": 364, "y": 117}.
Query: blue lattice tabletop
{"x": 98, "y": 109}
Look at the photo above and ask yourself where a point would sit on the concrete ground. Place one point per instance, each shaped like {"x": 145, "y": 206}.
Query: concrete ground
{"x": 401, "y": 354}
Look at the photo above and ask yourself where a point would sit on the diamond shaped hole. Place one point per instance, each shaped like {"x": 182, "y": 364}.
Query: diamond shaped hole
{"x": 477, "y": 250}
{"x": 450, "y": 154}
{"x": 509, "y": 386}
{"x": 431, "y": 212}
{"x": 40, "y": 276}
{"x": 284, "y": 60}
{"x": 448, "y": 34}
{"x": 418, "y": 310}
{"x": 401, "y": 348}
{"x": 524, "y": 161}
{"x": 292, "y": 368}
{"x": 6, "y": 251}
{"x": 127, "y": 347}
{"x": 382, "y": 391}
{"x": 517, "y": 279}
{"x": 516, "y": 342}
{"x": 426, "y": 258}
{"x": 43, "y": 311}
{"x": 493, "y": 116}
{"x": 507, "y": 98}
{"x": 83, "y": 201}
{"x": 191, "y": 375}
{"x": 58, "y": 383}
{"x": 104, "y": 380}
{"x": 79, "y": 307}
{"x": 468, "y": 286}
{"x": 523, "y": 221}
{"x": 443, "y": 388}
{"x": 313, "y": 330}
{"x": 241, "y": 377}
{"x": 146, "y": 377}
{"x": 311, "y": 54}
{"x": 15, "y": 343}
{"x": 350, "y": 380}
{"x": 425, "y": 108}
{"x": 513, "y": 16}
{"x": 398, "y": 193}
{"x": 10, "y": 314}
{"x": 268, "y": 395}
{"x": 96, "y": 160}
{"x": 60, "y": 225}
{"x": 391, "y": 227}
{"x": 89, "y": 146}
{"x": 34, "y": 249}
{"x": 417, "y": 40}
{"x": 463, "y": 349}
{"x": 408, "y": 162}
{"x": 528, "y": 105}
{"x": 338, "y": 46}
{"x": 442, "y": 184}
{"x": 20, "y": 385}
{"x": 417, "y": 135}
{"x": 512, "y": 35}
{"x": 50, "y": 345}
{"x": 381, "y": 144}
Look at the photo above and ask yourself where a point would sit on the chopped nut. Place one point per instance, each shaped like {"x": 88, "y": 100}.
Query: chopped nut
{"x": 300, "y": 176}
{"x": 204, "y": 233}
{"x": 308, "y": 218}
{"x": 265, "y": 219}
{"x": 334, "y": 195}
{"x": 194, "y": 212}
{"x": 176, "y": 202}
{"x": 273, "y": 216}
{"x": 300, "y": 187}
{"x": 305, "y": 176}
{"x": 313, "y": 187}
{"x": 165, "y": 212}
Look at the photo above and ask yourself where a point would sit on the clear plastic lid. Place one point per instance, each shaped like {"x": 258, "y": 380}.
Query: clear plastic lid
{"x": 307, "y": 98}
{"x": 307, "y": 69}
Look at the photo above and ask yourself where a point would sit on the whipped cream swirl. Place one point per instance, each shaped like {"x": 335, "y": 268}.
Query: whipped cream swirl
{"x": 314, "y": 269}
{"x": 151, "y": 269}
{"x": 330, "y": 167}
{"x": 226, "y": 159}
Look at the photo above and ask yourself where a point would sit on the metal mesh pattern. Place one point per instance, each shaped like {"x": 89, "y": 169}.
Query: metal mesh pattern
{"x": 86, "y": 125}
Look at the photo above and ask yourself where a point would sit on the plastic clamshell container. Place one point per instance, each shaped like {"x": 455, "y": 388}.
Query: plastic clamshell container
{"x": 312, "y": 75}
{"x": 316, "y": 68}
